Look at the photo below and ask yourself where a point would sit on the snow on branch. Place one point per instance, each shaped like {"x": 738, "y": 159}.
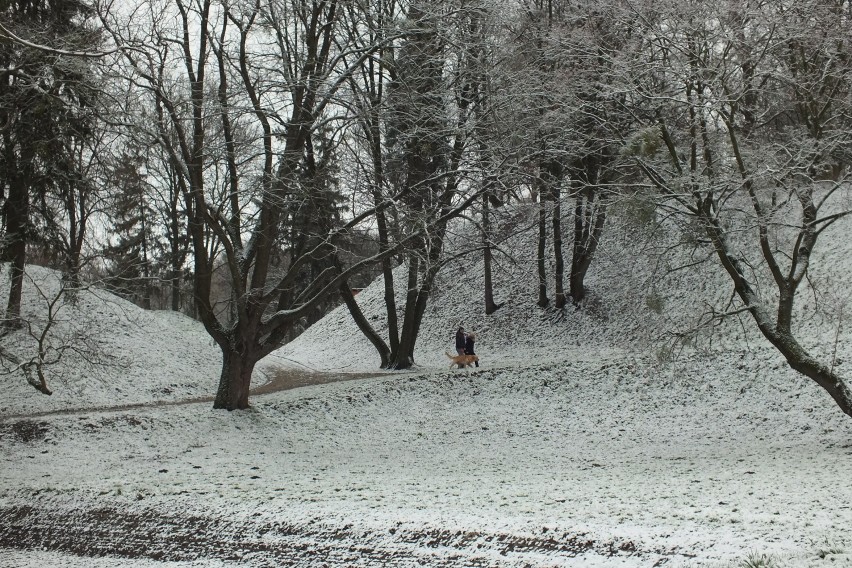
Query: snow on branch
{"x": 7, "y": 34}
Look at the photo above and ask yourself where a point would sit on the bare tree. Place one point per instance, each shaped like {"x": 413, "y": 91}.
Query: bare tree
{"x": 569, "y": 58}
{"x": 756, "y": 119}
{"x": 368, "y": 89}
{"x": 417, "y": 143}
{"x": 128, "y": 254}
{"x": 50, "y": 332}
{"x": 275, "y": 68}
{"x": 167, "y": 194}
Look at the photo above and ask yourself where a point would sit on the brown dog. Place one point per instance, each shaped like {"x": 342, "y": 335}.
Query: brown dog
{"x": 462, "y": 360}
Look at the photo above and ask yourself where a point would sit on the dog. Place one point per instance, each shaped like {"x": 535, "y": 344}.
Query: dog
{"x": 462, "y": 360}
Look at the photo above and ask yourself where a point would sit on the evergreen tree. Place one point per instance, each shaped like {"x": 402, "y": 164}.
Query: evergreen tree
{"x": 40, "y": 94}
{"x": 129, "y": 252}
{"x": 313, "y": 212}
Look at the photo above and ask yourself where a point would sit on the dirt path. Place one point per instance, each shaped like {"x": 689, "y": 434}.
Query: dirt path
{"x": 284, "y": 379}
{"x": 290, "y": 378}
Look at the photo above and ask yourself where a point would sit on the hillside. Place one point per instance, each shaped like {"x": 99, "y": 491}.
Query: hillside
{"x": 639, "y": 301}
{"x": 126, "y": 355}
{"x": 579, "y": 442}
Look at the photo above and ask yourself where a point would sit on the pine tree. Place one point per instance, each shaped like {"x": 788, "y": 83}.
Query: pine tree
{"x": 129, "y": 251}
{"x": 39, "y": 94}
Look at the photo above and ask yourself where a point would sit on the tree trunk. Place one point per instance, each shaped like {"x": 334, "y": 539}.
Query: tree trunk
{"x": 403, "y": 358}
{"x": 589, "y": 220}
{"x": 174, "y": 286}
{"x": 73, "y": 269}
{"x": 801, "y": 361}
{"x": 385, "y": 353}
{"x": 776, "y": 331}
{"x": 414, "y": 310}
{"x": 363, "y": 324}
{"x": 177, "y": 249}
{"x": 418, "y": 295}
{"x": 559, "y": 270}
{"x": 419, "y": 310}
{"x": 146, "y": 272}
{"x": 436, "y": 248}
{"x": 490, "y": 306}
{"x": 17, "y": 214}
{"x": 76, "y": 234}
{"x": 542, "y": 243}
{"x": 387, "y": 273}
{"x": 235, "y": 380}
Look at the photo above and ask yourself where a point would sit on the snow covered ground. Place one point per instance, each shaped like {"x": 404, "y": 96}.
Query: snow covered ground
{"x": 577, "y": 443}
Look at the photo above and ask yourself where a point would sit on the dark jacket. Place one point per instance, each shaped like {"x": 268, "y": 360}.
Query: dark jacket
{"x": 468, "y": 345}
{"x": 460, "y": 339}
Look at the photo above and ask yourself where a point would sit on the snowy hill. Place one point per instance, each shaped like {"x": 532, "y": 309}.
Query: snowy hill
{"x": 579, "y": 442}
{"x": 638, "y": 301}
{"x": 129, "y": 355}
{"x": 635, "y": 305}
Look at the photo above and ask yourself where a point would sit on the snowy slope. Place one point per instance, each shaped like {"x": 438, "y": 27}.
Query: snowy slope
{"x": 639, "y": 301}
{"x": 579, "y": 463}
{"x": 578, "y": 443}
{"x": 133, "y": 356}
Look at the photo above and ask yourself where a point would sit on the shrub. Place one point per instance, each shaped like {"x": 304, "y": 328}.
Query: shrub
{"x": 759, "y": 560}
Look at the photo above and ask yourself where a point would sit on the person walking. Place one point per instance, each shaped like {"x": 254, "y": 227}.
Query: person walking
{"x": 460, "y": 341}
{"x": 470, "y": 339}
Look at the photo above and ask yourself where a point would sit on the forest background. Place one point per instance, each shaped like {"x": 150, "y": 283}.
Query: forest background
{"x": 251, "y": 163}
